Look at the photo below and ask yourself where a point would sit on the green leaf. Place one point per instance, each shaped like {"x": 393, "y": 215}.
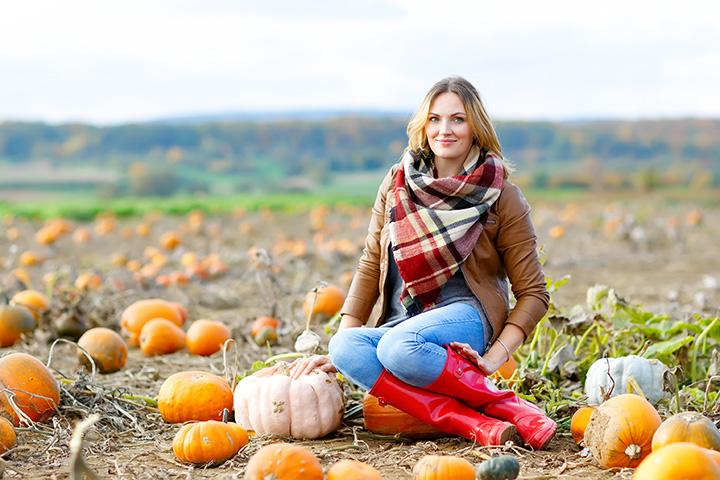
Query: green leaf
{"x": 667, "y": 347}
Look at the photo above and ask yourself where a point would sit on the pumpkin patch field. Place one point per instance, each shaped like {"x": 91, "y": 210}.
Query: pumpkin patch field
{"x": 157, "y": 347}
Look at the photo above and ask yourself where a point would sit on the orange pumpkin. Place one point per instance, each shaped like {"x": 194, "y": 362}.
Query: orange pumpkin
{"x": 8, "y": 437}
{"x": 160, "y": 336}
{"x": 442, "y": 467}
{"x": 678, "y": 460}
{"x": 693, "y": 427}
{"x": 714, "y": 454}
{"x": 194, "y": 395}
{"x": 33, "y": 300}
{"x": 620, "y": 431}
{"x": 106, "y": 347}
{"x": 170, "y": 240}
{"x": 579, "y": 422}
{"x": 262, "y": 322}
{"x": 208, "y": 443}
{"x": 15, "y": 321}
{"x": 205, "y": 337}
{"x": 136, "y": 315}
{"x": 283, "y": 461}
{"x": 329, "y": 301}
{"x": 506, "y": 371}
{"x": 388, "y": 420}
{"x": 349, "y": 469}
{"x": 30, "y": 385}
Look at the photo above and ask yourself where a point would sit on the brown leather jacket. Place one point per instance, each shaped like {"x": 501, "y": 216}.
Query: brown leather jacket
{"x": 506, "y": 250}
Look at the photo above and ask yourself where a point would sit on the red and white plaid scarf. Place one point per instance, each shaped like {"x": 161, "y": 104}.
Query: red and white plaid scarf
{"x": 436, "y": 222}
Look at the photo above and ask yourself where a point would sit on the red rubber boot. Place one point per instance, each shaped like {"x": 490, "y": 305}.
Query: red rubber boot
{"x": 463, "y": 379}
{"x": 444, "y": 413}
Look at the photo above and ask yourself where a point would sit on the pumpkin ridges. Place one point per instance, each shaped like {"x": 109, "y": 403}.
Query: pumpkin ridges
{"x": 678, "y": 460}
{"x": 350, "y": 469}
{"x": 37, "y": 393}
{"x": 283, "y": 461}
{"x": 194, "y": 395}
{"x": 440, "y": 467}
{"x": 388, "y": 420}
{"x": 691, "y": 427}
{"x": 579, "y": 421}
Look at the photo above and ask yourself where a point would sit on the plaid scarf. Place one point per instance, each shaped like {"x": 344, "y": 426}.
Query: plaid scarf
{"x": 436, "y": 222}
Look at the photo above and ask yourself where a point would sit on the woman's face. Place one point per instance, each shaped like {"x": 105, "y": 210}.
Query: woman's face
{"x": 447, "y": 129}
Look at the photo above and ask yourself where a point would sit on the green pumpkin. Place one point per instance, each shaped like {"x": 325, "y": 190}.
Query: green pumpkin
{"x": 504, "y": 467}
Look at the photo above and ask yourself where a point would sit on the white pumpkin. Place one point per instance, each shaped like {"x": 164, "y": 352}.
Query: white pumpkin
{"x": 269, "y": 401}
{"x": 648, "y": 373}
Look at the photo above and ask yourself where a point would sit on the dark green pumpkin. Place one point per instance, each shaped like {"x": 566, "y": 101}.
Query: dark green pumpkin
{"x": 504, "y": 467}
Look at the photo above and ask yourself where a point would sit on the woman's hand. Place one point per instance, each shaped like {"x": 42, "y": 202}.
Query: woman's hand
{"x": 305, "y": 365}
{"x": 487, "y": 365}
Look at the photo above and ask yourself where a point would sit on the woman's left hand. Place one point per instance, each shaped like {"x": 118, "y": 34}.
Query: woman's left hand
{"x": 487, "y": 365}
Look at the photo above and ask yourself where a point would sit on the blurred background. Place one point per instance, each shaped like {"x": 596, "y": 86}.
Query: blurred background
{"x": 218, "y": 101}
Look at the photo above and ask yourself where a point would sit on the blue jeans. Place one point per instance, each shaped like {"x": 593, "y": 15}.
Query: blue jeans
{"x": 411, "y": 350}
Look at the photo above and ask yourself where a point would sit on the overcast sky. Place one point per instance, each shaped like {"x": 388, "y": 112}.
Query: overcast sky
{"x": 107, "y": 62}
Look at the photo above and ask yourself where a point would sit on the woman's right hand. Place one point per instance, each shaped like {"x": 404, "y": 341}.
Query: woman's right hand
{"x": 303, "y": 366}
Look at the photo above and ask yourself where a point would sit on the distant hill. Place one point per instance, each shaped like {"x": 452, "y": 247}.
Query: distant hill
{"x": 278, "y": 116}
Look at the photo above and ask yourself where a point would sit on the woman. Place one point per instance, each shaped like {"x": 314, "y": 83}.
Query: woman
{"x": 447, "y": 233}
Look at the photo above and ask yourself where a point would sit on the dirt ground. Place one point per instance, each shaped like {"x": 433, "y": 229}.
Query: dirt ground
{"x": 660, "y": 256}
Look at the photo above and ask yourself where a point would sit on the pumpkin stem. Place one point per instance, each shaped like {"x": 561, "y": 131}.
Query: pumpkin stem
{"x": 633, "y": 451}
{"x": 225, "y": 415}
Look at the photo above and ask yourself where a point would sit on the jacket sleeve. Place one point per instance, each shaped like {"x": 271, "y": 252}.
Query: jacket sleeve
{"x": 364, "y": 289}
{"x": 517, "y": 245}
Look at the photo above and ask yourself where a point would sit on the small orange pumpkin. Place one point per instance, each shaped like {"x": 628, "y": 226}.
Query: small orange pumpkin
{"x": 506, "y": 371}
{"x": 620, "y": 431}
{"x": 160, "y": 336}
{"x": 31, "y": 386}
{"x": 678, "y": 460}
{"x": 194, "y": 395}
{"x": 579, "y": 421}
{"x": 8, "y": 436}
{"x": 205, "y": 337}
{"x": 136, "y": 315}
{"x": 169, "y": 240}
{"x": 329, "y": 301}
{"x": 693, "y": 427}
{"x": 208, "y": 443}
{"x": 283, "y": 461}
{"x": 262, "y": 322}
{"x": 15, "y": 321}
{"x": 33, "y": 300}
{"x": 106, "y": 347}
{"x": 388, "y": 420}
{"x": 441, "y": 467}
{"x": 349, "y": 469}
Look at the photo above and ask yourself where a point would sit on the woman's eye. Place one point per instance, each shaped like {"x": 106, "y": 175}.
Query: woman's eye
{"x": 433, "y": 119}
{"x": 458, "y": 120}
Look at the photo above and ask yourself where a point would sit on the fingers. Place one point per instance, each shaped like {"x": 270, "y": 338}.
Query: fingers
{"x": 303, "y": 366}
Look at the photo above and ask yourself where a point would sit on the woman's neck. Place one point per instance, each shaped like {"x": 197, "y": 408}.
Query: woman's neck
{"x": 446, "y": 168}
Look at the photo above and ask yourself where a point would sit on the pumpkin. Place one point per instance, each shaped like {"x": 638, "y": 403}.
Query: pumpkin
{"x": 648, "y": 373}
{"x": 283, "y": 461}
{"x": 33, "y": 300}
{"x": 388, "y": 420}
{"x": 690, "y": 427}
{"x": 160, "y": 337}
{"x": 329, "y": 301}
{"x": 106, "y": 347}
{"x": 30, "y": 385}
{"x": 506, "y": 371}
{"x": 349, "y": 469}
{"x": 194, "y": 395}
{"x": 208, "y": 443}
{"x": 269, "y": 401}
{"x": 714, "y": 454}
{"x": 620, "y": 431}
{"x": 265, "y": 336}
{"x": 169, "y": 240}
{"x": 15, "y": 321}
{"x": 579, "y": 421}
{"x": 8, "y": 437}
{"x": 442, "y": 467}
{"x": 262, "y": 322}
{"x": 504, "y": 467}
{"x": 205, "y": 337}
{"x": 678, "y": 460}
{"x": 137, "y": 314}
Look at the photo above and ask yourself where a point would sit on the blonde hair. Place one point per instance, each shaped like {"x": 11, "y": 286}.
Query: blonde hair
{"x": 484, "y": 135}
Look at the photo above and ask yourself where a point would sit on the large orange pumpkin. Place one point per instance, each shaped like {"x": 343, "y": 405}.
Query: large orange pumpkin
{"x": 160, "y": 336}
{"x": 349, "y": 469}
{"x": 388, "y": 420}
{"x": 33, "y": 300}
{"x": 693, "y": 427}
{"x": 681, "y": 460}
{"x": 30, "y": 385}
{"x": 208, "y": 443}
{"x": 136, "y": 315}
{"x": 205, "y": 337}
{"x": 15, "y": 321}
{"x": 329, "y": 301}
{"x": 8, "y": 437}
{"x": 283, "y": 461}
{"x": 106, "y": 347}
{"x": 443, "y": 467}
{"x": 620, "y": 431}
{"x": 194, "y": 395}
